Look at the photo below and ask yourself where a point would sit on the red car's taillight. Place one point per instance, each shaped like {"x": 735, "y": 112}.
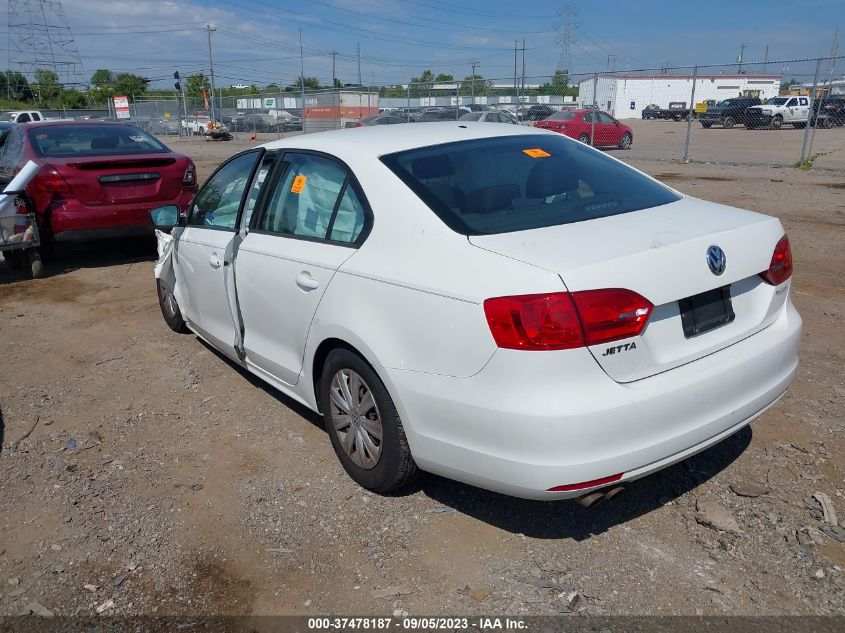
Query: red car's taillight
{"x": 190, "y": 177}
{"x": 611, "y": 314}
{"x": 780, "y": 268}
{"x": 562, "y": 320}
{"x": 47, "y": 181}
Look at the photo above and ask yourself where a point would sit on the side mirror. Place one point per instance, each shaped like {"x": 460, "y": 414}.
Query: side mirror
{"x": 166, "y": 217}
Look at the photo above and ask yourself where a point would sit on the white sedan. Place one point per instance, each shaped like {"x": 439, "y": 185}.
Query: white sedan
{"x": 495, "y": 304}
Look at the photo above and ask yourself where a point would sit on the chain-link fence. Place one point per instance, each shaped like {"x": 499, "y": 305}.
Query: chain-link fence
{"x": 783, "y": 112}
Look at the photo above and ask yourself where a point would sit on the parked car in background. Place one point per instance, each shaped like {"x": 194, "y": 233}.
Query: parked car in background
{"x": 727, "y": 113}
{"x": 478, "y": 107}
{"x": 390, "y": 118}
{"x": 537, "y": 112}
{"x": 442, "y": 114}
{"x": 494, "y": 304}
{"x": 651, "y": 111}
{"x": 163, "y": 127}
{"x": 200, "y": 124}
{"x": 22, "y": 116}
{"x": 489, "y": 116}
{"x": 777, "y": 111}
{"x": 590, "y": 126}
{"x": 98, "y": 179}
{"x": 831, "y": 107}
{"x": 412, "y": 113}
{"x": 257, "y": 122}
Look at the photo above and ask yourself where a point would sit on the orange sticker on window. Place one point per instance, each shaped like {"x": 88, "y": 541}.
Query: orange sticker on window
{"x": 536, "y": 152}
{"x": 298, "y": 184}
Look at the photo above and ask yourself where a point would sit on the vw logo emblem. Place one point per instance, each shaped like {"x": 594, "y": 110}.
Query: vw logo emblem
{"x": 716, "y": 260}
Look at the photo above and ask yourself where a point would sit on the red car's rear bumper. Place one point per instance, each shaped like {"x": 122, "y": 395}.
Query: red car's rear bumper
{"x": 70, "y": 220}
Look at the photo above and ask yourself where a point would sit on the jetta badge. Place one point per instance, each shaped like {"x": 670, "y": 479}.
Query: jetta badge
{"x": 716, "y": 260}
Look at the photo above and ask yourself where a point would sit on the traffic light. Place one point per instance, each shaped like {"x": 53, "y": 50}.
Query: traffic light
{"x": 178, "y": 86}
{"x": 176, "y": 75}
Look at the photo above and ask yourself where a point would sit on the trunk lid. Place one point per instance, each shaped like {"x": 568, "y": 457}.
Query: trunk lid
{"x": 106, "y": 180}
{"x": 660, "y": 253}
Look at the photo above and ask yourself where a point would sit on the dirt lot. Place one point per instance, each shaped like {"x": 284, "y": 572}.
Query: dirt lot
{"x": 170, "y": 482}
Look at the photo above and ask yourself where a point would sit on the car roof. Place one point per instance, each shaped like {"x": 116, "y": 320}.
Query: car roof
{"x": 378, "y": 141}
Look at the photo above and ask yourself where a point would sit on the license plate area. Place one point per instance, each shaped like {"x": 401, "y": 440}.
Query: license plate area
{"x": 706, "y": 311}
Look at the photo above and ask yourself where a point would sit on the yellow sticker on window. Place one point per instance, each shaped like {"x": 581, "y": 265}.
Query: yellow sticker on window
{"x": 536, "y": 152}
{"x": 298, "y": 184}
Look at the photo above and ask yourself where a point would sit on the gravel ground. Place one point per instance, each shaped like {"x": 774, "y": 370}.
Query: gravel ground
{"x": 161, "y": 479}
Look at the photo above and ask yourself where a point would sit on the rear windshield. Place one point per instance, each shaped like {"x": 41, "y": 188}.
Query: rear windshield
{"x": 515, "y": 183}
{"x": 92, "y": 140}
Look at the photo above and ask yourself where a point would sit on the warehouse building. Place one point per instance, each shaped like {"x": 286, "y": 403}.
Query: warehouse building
{"x": 625, "y": 96}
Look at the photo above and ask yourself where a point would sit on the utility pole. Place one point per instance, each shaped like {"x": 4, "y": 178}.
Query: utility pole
{"x": 611, "y": 63}
{"x": 766, "y": 59}
{"x": 302, "y": 78}
{"x": 515, "y": 42}
{"x": 523, "y": 68}
{"x": 742, "y": 48}
{"x": 334, "y": 93}
{"x": 210, "y": 29}
{"x": 359, "y": 65}
{"x": 473, "y": 63}
{"x": 334, "y": 80}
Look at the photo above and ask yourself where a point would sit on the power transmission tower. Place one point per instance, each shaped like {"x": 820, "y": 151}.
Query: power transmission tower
{"x": 564, "y": 40}
{"x": 40, "y": 38}
{"x": 739, "y": 59}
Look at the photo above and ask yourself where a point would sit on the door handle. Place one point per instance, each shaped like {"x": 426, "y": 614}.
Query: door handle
{"x": 306, "y": 281}
{"x": 215, "y": 261}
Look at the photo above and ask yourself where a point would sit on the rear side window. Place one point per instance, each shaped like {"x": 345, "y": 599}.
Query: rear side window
{"x": 92, "y": 140}
{"x": 516, "y": 183}
{"x": 315, "y": 199}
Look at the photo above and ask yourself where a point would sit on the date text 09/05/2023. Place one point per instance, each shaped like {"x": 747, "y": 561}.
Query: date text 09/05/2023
{"x": 415, "y": 623}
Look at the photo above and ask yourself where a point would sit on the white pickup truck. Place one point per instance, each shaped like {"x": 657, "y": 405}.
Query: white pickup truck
{"x": 777, "y": 111}
{"x": 22, "y": 116}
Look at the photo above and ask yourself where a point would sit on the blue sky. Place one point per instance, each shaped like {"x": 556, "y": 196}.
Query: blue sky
{"x": 257, "y": 41}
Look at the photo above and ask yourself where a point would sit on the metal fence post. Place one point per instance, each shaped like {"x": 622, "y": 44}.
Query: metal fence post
{"x": 409, "y": 102}
{"x": 594, "y": 108}
{"x": 690, "y": 114}
{"x": 457, "y": 99}
{"x": 810, "y": 114}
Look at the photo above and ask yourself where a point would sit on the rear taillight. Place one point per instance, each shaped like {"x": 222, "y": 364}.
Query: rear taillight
{"x": 611, "y": 314}
{"x": 47, "y": 181}
{"x": 781, "y": 267}
{"x": 564, "y": 320}
{"x": 190, "y": 177}
{"x": 534, "y": 322}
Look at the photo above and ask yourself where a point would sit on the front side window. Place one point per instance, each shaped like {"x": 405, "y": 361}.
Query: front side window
{"x": 314, "y": 198}
{"x": 514, "y": 183}
{"x": 218, "y": 203}
{"x": 605, "y": 118}
{"x": 792, "y": 103}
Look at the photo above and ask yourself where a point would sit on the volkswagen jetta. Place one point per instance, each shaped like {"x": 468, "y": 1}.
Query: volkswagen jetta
{"x": 502, "y": 306}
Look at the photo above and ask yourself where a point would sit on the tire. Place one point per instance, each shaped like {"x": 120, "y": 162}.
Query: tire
{"x": 170, "y": 309}
{"x": 584, "y": 138}
{"x": 728, "y": 122}
{"x": 799, "y": 126}
{"x": 385, "y": 465}
{"x": 777, "y": 122}
{"x": 706, "y": 126}
{"x": 200, "y": 130}
{"x": 625, "y": 142}
{"x": 14, "y": 259}
{"x": 36, "y": 266}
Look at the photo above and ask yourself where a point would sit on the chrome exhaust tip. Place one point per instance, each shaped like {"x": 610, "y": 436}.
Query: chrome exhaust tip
{"x": 592, "y": 498}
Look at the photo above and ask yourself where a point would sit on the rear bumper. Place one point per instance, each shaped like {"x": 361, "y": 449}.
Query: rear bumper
{"x": 530, "y": 421}
{"x": 74, "y": 221}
